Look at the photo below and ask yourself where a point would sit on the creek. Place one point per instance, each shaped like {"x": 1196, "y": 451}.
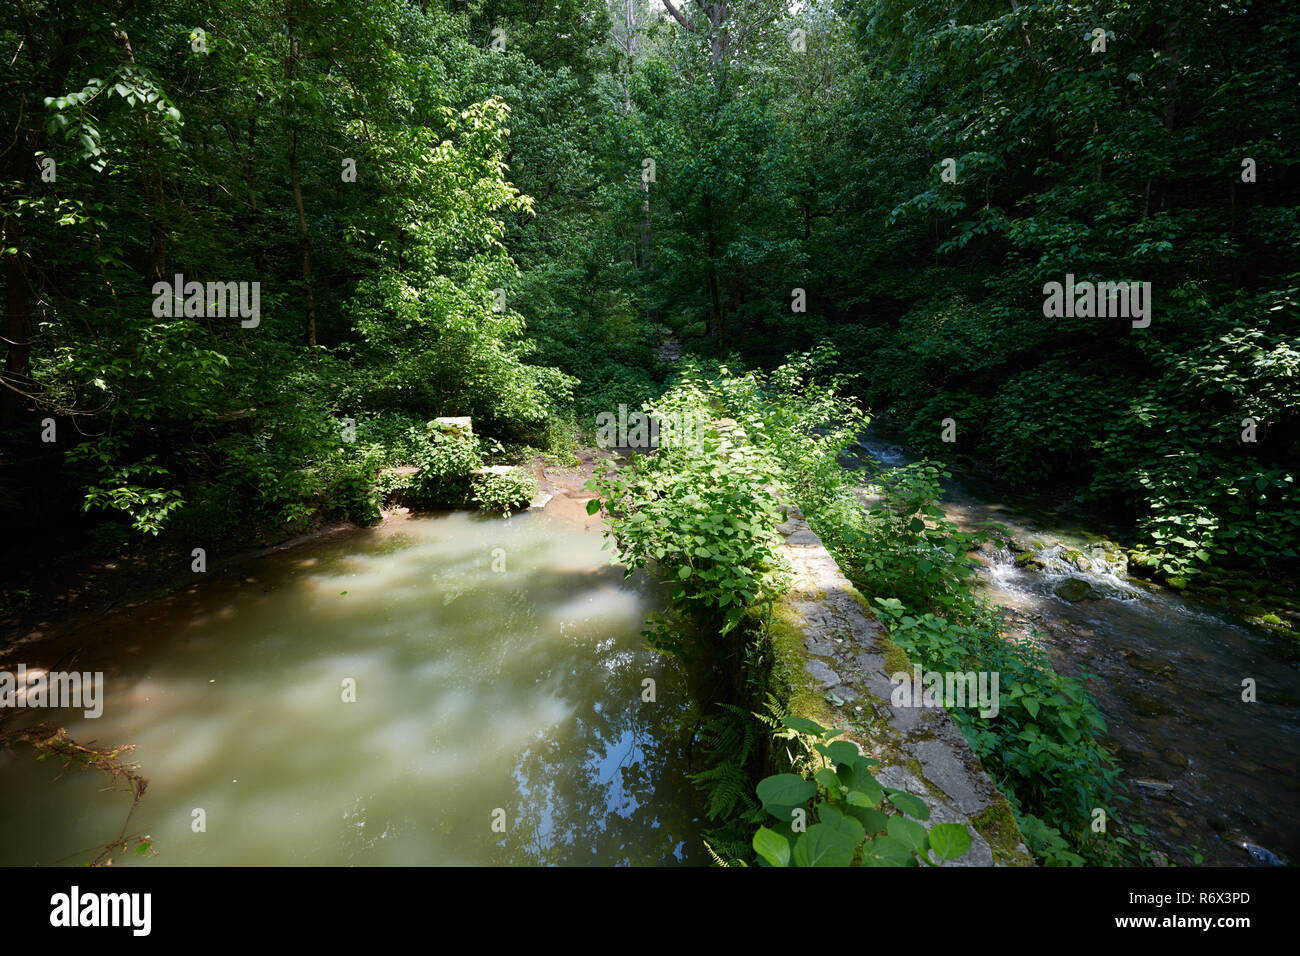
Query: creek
{"x": 497, "y": 665}
{"x": 1207, "y": 771}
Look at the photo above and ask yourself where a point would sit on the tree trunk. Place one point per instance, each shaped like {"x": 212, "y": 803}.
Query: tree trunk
{"x": 715, "y": 298}
{"x": 19, "y": 308}
{"x": 304, "y": 244}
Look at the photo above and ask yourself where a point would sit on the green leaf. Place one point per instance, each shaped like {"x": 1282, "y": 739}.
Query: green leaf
{"x": 851, "y": 828}
{"x": 949, "y": 840}
{"x": 908, "y": 832}
{"x": 887, "y": 851}
{"x": 872, "y": 820}
{"x": 823, "y": 845}
{"x": 803, "y": 725}
{"x": 859, "y": 779}
{"x": 912, "y": 806}
{"x": 829, "y": 779}
{"x": 772, "y": 847}
{"x": 784, "y": 792}
{"x": 593, "y": 505}
{"x": 842, "y": 751}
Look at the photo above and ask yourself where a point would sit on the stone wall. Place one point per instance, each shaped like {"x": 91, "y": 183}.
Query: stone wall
{"x": 847, "y": 658}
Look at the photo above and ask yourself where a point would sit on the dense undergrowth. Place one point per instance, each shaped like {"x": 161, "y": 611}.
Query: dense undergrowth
{"x": 703, "y": 511}
{"x": 703, "y": 517}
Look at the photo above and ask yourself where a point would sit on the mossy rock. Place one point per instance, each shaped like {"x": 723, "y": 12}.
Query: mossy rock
{"x": 1079, "y": 560}
{"x": 996, "y": 823}
{"x": 1075, "y": 590}
{"x": 1030, "y": 560}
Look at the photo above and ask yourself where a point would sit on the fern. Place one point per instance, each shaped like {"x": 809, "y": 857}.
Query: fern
{"x": 726, "y": 741}
{"x": 727, "y": 786}
{"x": 774, "y": 712}
{"x": 727, "y": 855}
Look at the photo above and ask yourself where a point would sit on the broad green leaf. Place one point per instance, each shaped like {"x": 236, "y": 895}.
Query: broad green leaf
{"x": 772, "y": 847}
{"x": 803, "y": 725}
{"x": 887, "y": 851}
{"x": 829, "y": 779}
{"x": 847, "y": 825}
{"x": 872, "y": 820}
{"x": 784, "y": 792}
{"x": 949, "y": 841}
{"x": 823, "y": 845}
{"x": 843, "y": 751}
{"x": 912, "y": 806}
{"x": 907, "y": 832}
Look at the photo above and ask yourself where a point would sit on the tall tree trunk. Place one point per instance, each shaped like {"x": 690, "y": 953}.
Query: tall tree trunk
{"x": 20, "y": 169}
{"x": 309, "y": 301}
{"x": 303, "y": 243}
{"x": 715, "y": 297}
{"x": 18, "y": 306}
{"x": 151, "y": 177}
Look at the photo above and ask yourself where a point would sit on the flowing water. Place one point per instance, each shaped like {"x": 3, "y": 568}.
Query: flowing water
{"x": 499, "y": 678}
{"x": 1207, "y": 771}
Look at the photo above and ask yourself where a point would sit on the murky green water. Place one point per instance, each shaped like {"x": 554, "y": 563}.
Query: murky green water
{"x": 499, "y": 676}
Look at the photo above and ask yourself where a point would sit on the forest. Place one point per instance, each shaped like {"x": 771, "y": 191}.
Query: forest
{"x": 255, "y": 250}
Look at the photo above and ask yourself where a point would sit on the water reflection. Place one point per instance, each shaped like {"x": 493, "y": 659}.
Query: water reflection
{"x": 496, "y": 664}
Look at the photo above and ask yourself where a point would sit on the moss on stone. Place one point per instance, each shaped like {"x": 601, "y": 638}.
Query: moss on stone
{"x": 896, "y": 658}
{"x": 786, "y": 636}
{"x": 997, "y": 825}
{"x": 914, "y": 765}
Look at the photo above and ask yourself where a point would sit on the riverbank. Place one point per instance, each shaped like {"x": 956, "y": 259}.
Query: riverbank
{"x": 49, "y": 599}
{"x": 1269, "y": 601}
{"x": 1202, "y": 707}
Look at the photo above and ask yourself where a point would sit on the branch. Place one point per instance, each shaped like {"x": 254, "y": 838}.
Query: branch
{"x": 677, "y": 15}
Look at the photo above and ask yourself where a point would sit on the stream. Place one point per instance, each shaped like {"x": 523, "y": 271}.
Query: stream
{"x": 1207, "y": 771}
{"x": 499, "y": 676}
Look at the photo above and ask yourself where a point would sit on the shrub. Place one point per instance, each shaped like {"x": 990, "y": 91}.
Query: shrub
{"x": 506, "y": 491}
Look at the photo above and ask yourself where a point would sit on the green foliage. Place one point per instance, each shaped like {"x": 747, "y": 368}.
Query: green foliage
{"x": 727, "y": 740}
{"x": 858, "y": 821}
{"x": 174, "y": 161}
{"x": 445, "y": 461}
{"x": 903, "y": 543}
{"x": 705, "y": 513}
{"x": 504, "y": 492}
{"x": 1122, "y": 165}
{"x": 1046, "y": 843}
{"x": 1044, "y": 744}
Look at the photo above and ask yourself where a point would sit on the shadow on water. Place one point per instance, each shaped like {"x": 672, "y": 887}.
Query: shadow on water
{"x": 498, "y": 671}
{"x": 1206, "y": 769}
